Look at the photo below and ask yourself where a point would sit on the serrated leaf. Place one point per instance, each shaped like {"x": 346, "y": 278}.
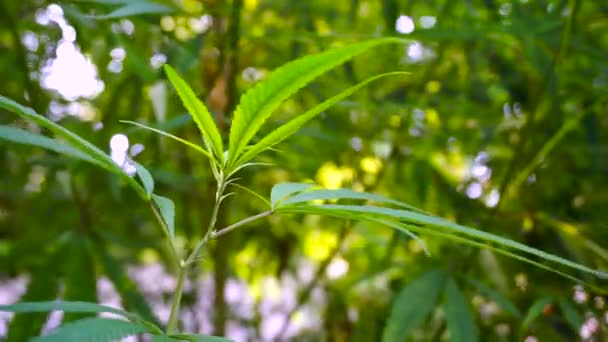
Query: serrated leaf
{"x": 21, "y": 136}
{"x": 418, "y": 218}
{"x": 283, "y": 190}
{"x": 94, "y": 329}
{"x": 535, "y": 310}
{"x": 413, "y": 304}
{"x": 288, "y": 129}
{"x": 169, "y": 135}
{"x": 200, "y": 114}
{"x": 259, "y": 102}
{"x": 134, "y": 8}
{"x": 496, "y": 296}
{"x": 461, "y": 324}
{"x": 573, "y": 317}
{"x": 74, "y": 140}
{"x": 145, "y": 177}
{"x": 167, "y": 212}
{"x": 200, "y": 338}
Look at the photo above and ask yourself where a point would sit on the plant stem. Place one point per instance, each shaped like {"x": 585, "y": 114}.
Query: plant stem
{"x": 183, "y": 267}
{"x": 243, "y": 222}
{"x": 173, "y": 318}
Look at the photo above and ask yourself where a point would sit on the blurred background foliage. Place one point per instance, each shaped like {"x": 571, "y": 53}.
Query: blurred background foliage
{"x": 501, "y": 125}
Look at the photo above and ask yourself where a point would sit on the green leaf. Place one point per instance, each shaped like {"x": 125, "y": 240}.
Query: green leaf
{"x": 412, "y": 305}
{"x": 167, "y": 211}
{"x": 259, "y": 102}
{"x": 334, "y": 194}
{"x": 535, "y": 310}
{"x": 93, "y": 329}
{"x": 135, "y": 8}
{"x": 145, "y": 177}
{"x": 21, "y": 136}
{"x": 461, "y": 324}
{"x": 200, "y": 338}
{"x": 200, "y": 114}
{"x": 417, "y": 218}
{"x": 74, "y": 140}
{"x": 169, "y": 135}
{"x": 80, "y": 279}
{"x": 43, "y": 285}
{"x": 132, "y": 299}
{"x": 496, "y": 296}
{"x": 288, "y": 129}
{"x": 283, "y": 190}
{"x": 80, "y": 307}
{"x": 573, "y": 317}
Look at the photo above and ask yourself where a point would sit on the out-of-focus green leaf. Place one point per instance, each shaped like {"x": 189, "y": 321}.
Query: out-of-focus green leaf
{"x": 259, "y": 102}
{"x": 573, "y": 317}
{"x": 412, "y": 305}
{"x": 132, "y": 299}
{"x": 93, "y": 329}
{"x": 21, "y": 136}
{"x": 501, "y": 300}
{"x": 461, "y": 324}
{"x": 167, "y": 211}
{"x": 288, "y": 129}
{"x": 200, "y": 114}
{"x": 76, "y": 142}
{"x": 534, "y": 311}
{"x": 43, "y": 285}
{"x": 80, "y": 279}
{"x": 135, "y": 8}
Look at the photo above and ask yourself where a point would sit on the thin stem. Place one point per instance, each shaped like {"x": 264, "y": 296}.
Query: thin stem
{"x": 216, "y": 208}
{"x": 243, "y": 222}
{"x": 174, "y": 255}
{"x": 173, "y": 318}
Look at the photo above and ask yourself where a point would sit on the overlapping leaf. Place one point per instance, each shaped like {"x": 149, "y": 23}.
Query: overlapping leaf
{"x": 259, "y": 102}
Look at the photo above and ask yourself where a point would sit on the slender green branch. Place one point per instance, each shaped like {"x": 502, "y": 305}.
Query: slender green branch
{"x": 173, "y": 318}
{"x": 243, "y": 222}
{"x": 175, "y": 258}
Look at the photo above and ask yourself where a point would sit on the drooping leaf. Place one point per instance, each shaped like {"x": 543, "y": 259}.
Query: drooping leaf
{"x": 288, "y": 129}
{"x": 80, "y": 280}
{"x": 94, "y": 329}
{"x": 573, "y": 317}
{"x": 259, "y": 102}
{"x": 169, "y": 135}
{"x": 413, "y": 304}
{"x": 131, "y": 298}
{"x": 145, "y": 177}
{"x": 134, "y": 8}
{"x": 496, "y": 296}
{"x": 458, "y": 315}
{"x": 74, "y": 140}
{"x": 283, "y": 190}
{"x": 200, "y": 338}
{"x": 200, "y": 114}
{"x": 167, "y": 212}
{"x": 440, "y": 224}
{"x": 21, "y": 136}
{"x": 43, "y": 285}
{"x": 535, "y": 310}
